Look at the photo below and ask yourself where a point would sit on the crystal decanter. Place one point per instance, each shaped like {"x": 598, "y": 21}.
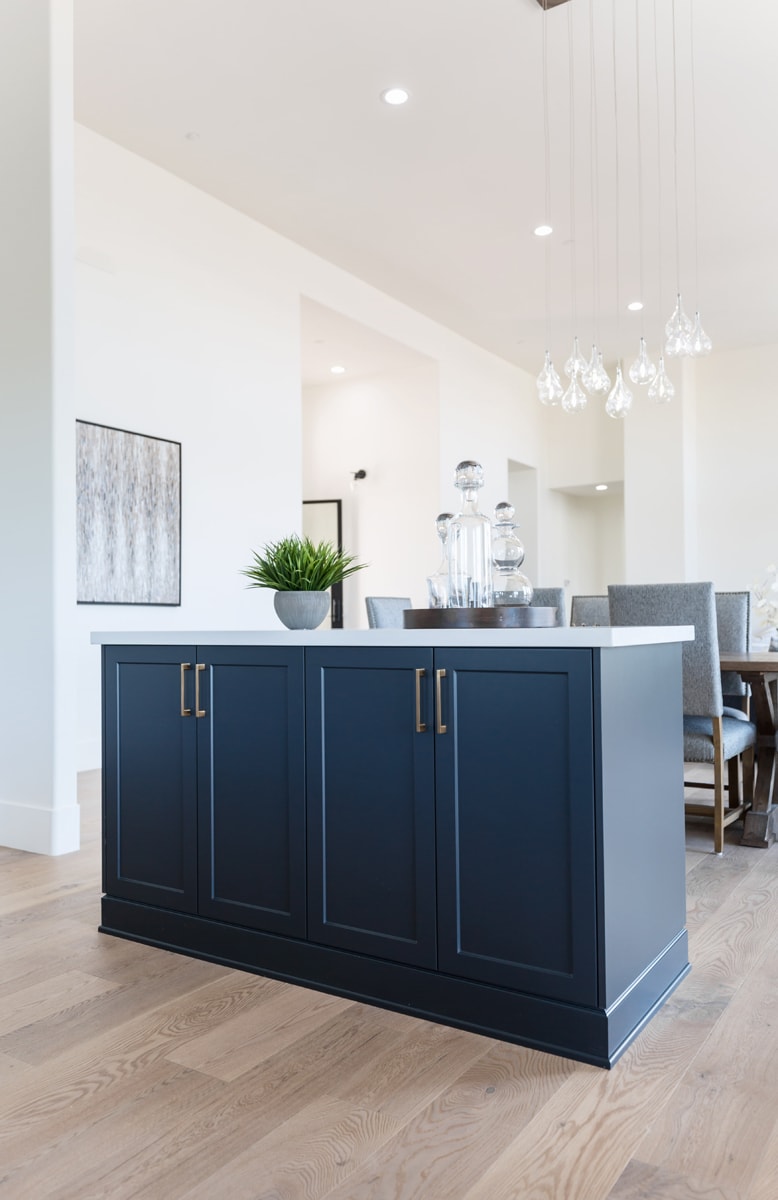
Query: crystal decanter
{"x": 470, "y": 544}
{"x": 509, "y": 584}
{"x": 437, "y": 583}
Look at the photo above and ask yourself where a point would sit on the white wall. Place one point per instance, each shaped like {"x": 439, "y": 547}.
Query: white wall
{"x": 737, "y": 475}
{"x": 387, "y": 425}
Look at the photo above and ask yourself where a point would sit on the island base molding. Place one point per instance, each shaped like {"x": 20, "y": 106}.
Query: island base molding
{"x": 591, "y": 1035}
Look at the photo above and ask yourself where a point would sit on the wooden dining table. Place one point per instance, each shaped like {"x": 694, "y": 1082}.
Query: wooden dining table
{"x": 759, "y": 669}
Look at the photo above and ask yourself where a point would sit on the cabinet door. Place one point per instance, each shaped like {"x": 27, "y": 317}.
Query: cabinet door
{"x": 515, "y": 792}
{"x": 149, "y": 776}
{"x": 371, "y": 826}
{"x": 251, "y": 785}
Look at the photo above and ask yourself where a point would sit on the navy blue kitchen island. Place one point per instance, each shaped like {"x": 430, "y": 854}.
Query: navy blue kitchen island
{"x": 482, "y": 828}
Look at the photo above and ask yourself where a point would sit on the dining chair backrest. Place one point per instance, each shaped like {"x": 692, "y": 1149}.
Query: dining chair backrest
{"x": 589, "y": 610}
{"x": 733, "y": 624}
{"x": 553, "y": 597}
{"x": 386, "y": 612}
{"x": 679, "y": 604}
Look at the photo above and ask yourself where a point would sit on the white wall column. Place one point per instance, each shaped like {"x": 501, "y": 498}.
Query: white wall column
{"x": 660, "y": 467}
{"x": 38, "y": 809}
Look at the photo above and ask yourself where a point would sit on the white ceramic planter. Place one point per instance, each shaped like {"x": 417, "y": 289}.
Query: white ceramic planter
{"x": 301, "y": 610}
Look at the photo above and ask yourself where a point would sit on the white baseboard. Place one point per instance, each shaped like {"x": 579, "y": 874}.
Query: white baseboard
{"x": 40, "y": 830}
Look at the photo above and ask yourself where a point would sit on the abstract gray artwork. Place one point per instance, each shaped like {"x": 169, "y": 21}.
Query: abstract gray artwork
{"x": 129, "y": 517}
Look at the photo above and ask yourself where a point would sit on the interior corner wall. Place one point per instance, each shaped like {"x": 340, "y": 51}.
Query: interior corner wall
{"x": 388, "y": 426}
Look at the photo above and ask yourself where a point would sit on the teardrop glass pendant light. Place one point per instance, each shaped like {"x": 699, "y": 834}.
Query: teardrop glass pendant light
{"x": 619, "y": 401}
{"x": 589, "y": 373}
{"x": 549, "y": 384}
{"x": 661, "y": 390}
{"x": 576, "y": 363}
{"x": 603, "y": 381}
{"x": 643, "y": 370}
{"x": 574, "y": 399}
{"x": 679, "y": 330}
{"x": 699, "y": 342}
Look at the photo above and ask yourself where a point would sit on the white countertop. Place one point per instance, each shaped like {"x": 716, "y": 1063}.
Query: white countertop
{"x": 564, "y": 637}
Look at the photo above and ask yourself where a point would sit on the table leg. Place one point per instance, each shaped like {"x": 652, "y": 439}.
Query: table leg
{"x": 759, "y": 821}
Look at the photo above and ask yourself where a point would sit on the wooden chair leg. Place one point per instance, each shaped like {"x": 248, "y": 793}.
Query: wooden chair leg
{"x": 718, "y": 786}
{"x": 733, "y": 776}
{"x": 748, "y": 775}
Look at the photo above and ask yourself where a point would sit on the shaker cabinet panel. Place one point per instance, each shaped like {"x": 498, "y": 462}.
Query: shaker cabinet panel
{"x": 371, "y": 818}
{"x": 515, "y": 820}
{"x": 149, "y": 769}
{"x": 251, "y": 787}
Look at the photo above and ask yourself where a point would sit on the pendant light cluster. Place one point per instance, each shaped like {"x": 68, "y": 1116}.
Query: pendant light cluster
{"x": 682, "y": 337}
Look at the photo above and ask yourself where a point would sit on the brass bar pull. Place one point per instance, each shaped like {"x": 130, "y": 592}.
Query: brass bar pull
{"x": 439, "y": 726}
{"x": 185, "y": 712}
{"x": 199, "y": 712}
{"x": 421, "y": 726}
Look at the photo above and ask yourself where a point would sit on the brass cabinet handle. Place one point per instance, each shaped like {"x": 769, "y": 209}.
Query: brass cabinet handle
{"x": 199, "y": 712}
{"x": 439, "y": 726}
{"x": 185, "y": 712}
{"x": 421, "y": 726}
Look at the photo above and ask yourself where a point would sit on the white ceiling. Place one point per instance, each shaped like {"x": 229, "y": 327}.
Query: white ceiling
{"x": 435, "y": 202}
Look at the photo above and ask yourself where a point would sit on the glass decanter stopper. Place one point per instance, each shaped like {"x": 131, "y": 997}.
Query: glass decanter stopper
{"x": 509, "y": 584}
{"x": 469, "y": 544}
{"x": 437, "y": 583}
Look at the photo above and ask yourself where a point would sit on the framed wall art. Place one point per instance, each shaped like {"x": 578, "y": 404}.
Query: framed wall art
{"x": 128, "y": 511}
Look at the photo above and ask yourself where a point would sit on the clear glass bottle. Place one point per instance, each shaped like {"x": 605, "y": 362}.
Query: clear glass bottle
{"x": 437, "y": 583}
{"x": 470, "y": 544}
{"x": 510, "y": 585}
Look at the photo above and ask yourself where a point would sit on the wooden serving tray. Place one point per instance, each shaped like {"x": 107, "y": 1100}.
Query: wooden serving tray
{"x": 503, "y": 616}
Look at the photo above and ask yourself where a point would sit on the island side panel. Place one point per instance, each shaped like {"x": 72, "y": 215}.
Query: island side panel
{"x": 641, "y": 839}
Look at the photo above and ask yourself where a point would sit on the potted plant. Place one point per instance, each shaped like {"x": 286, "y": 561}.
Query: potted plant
{"x": 300, "y": 572}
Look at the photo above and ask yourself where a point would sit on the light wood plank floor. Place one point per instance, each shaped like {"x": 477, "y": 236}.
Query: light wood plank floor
{"x": 130, "y": 1072}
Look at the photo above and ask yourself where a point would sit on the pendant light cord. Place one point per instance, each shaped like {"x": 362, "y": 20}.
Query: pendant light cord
{"x": 573, "y": 257}
{"x": 640, "y": 166}
{"x": 593, "y": 179}
{"x": 694, "y": 160}
{"x": 660, "y": 239}
{"x": 547, "y": 160}
{"x": 675, "y": 158}
{"x": 618, "y": 190}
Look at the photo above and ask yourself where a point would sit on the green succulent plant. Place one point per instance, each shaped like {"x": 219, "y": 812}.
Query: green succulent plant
{"x": 296, "y": 564}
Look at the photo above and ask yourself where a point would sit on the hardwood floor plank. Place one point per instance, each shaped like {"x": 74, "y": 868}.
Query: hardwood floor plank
{"x": 306, "y": 1156}
{"x": 45, "y": 1040}
{"x": 54, "y": 997}
{"x": 235, "y": 1046}
{"x": 445, "y": 1148}
{"x": 410, "y": 1076}
{"x": 213, "y": 1135}
{"x": 641, "y": 1181}
{"x": 95, "y": 1133}
{"x": 731, "y": 1087}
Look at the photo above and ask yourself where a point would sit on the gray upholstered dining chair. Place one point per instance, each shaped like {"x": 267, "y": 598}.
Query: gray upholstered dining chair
{"x": 711, "y": 733}
{"x": 386, "y": 612}
{"x": 733, "y": 624}
{"x": 553, "y": 597}
{"x": 589, "y": 610}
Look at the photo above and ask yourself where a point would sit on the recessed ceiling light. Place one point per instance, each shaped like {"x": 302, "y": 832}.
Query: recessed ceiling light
{"x": 337, "y": 370}
{"x": 635, "y": 306}
{"x": 601, "y": 487}
{"x": 543, "y": 230}
{"x": 395, "y": 95}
